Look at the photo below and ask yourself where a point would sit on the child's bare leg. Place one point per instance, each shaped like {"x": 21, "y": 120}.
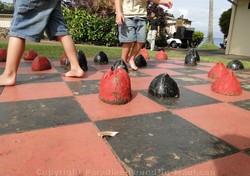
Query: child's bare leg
{"x": 135, "y": 50}
{"x": 125, "y": 51}
{"x": 14, "y": 54}
{"x": 69, "y": 48}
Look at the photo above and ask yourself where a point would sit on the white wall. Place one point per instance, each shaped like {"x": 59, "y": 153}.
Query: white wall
{"x": 239, "y": 32}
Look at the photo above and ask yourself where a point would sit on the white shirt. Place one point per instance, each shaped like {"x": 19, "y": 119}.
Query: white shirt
{"x": 132, "y": 8}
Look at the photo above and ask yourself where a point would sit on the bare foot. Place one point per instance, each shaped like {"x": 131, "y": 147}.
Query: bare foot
{"x": 7, "y": 80}
{"x": 127, "y": 59}
{"x": 74, "y": 73}
{"x": 132, "y": 65}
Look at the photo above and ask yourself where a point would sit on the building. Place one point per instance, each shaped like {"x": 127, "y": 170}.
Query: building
{"x": 239, "y": 34}
{"x": 5, "y": 20}
{"x": 173, "y": 23}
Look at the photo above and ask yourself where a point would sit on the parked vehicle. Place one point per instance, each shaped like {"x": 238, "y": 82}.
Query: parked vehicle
{"x": 182, "y": 37}
{"x": 174, "y": 42}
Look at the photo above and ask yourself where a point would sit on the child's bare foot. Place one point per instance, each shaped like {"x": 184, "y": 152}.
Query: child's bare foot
{"x": 127, "y": 59}
{"x": 7, "y": 80}
{"x": 74, "y": 73}
{"x": 132, "y": 65}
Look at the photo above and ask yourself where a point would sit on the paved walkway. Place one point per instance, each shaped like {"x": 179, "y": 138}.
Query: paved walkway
{"x": 49, "y": 125}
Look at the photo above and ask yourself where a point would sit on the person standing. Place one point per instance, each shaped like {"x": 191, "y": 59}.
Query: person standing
{"x": 131, "y": 18}
{"x": 154, "y": 30}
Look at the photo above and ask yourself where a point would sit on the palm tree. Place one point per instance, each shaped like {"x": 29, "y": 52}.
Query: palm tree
{"x": 210, "y": 38}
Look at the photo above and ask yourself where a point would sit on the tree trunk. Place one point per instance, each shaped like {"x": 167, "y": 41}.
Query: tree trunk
{"x": 210, "y": 38}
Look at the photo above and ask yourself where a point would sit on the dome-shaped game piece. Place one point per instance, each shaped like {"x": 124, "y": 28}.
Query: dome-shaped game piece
{"x": 140, "y": 61}
{"x": 40, "y": 63}
{"x": 144, "y": 53}
{"x": 63, "y": 58}
{"x": 217, "y": 71}
{"x": 29, "y": 55}
{"x": 101, "y": 58}
{"x": 192, "y": 57}
{"x": 3, "y": 55}
{"x": 235, "y": 65}
{"x": 196, "y": 54}
{"x": 161, "y": 55}
{"x": 119, "y": 64}
{"x": 66, "y": 64}
{"x": 115, "y": 87}
{"x": 227, "y": 85}
{"x": 81, "y": 59}
{"x": 163, "y": 86}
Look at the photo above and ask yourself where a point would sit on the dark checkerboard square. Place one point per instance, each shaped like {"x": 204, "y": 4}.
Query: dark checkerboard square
{"x": 185, "y": 80}
{"x": 38, "y": 114}
{"x": 243, "y": 104}
{"x": 162, "y": 142}
{"x": 185, "y": 100}
{"x": 152, "y": 63}
{"x": 242, "y": 74}
{"x": 25, "y": 63}
{"x": 136, "y": 74}
{"x": 38, "y": 78}
{"x": 245, "y": 85}
{"x": 90, "y": 68}
{"x": 61, "y": 69}
{"x": 247, "y": 151}
{"x": 84, "y": 87}
{"x": 188, "y": 70}
{"x": 1, "y": 89}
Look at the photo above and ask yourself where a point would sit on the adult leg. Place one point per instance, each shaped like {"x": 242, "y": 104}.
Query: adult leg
{"x": 69, "y": 48}
{"x": 153, "y": 36}
{"x": 149, "y": 38}
{"x": 15, "y": 50}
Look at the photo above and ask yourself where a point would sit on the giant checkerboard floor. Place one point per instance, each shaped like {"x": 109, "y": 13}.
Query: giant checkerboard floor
{"x": 49, "y": 125}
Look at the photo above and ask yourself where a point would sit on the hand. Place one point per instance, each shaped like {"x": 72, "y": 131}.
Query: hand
{"x": 167, "y": 3}
{"x": 119, "y": 19}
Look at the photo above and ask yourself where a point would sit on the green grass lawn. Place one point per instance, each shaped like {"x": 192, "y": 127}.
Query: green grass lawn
{"x": 208, "y": 46}
{"x": 56, "y": 50}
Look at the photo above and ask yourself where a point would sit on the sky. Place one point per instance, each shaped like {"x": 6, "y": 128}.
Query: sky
{"x": 197, "y": 11}
{"x": 7, "y": 0}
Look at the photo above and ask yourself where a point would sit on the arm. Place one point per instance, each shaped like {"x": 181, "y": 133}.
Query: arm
{"x": 167, "y": 3}
{"x": 119, "y": 16}
{"x": 158, "y": 30}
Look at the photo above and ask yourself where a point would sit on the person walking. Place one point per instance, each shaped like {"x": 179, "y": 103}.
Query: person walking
{"x": 154, "y": 30}
{"x": 30, "y": 20}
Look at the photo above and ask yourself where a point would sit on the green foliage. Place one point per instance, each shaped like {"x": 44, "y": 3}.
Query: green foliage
{"x": 161, "y": 40}
{"x": 6, "y": 8}
{"x": 197, "y": 38}
{"x": 91, "y": 28}
{"x": 104, "y": 8}
{"x": 224, "y": 21}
